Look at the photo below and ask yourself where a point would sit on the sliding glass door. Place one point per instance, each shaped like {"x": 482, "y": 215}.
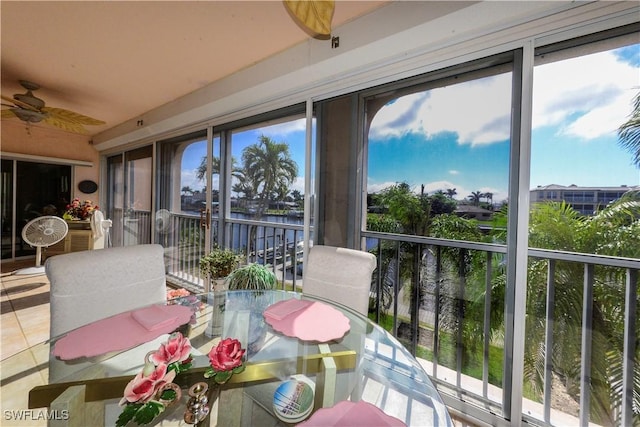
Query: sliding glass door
{"x": 183, "y": 205}
{"x": 29, "y": 190}
{"x": 129, "y": 176}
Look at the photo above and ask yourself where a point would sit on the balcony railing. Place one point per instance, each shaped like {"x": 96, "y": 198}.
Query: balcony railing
{"x": 278, "y": 245}
{"x": 445, "y": 300}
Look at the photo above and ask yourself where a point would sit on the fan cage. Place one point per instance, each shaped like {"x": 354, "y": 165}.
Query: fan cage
{"x": 45, "y": 231}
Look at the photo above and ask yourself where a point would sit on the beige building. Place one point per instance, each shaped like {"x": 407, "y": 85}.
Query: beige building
{"x": 585, "y": 200}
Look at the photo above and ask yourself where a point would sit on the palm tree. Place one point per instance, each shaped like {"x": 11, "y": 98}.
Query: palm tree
{"x": 186, "y": 190}
{"x": 412, "y": 214}
{"x": 629, "y": 132}
{"x": 489, "y": 197}
{"x": 613, "y": 231}
{"x": 475, "y": 197}
{"x": 451, "y": 192}
{"x": 268, "y": 166}
{"x": 236, "y": 172}
{"x": 297, "y": 196}
{"x": 281, "y": 194}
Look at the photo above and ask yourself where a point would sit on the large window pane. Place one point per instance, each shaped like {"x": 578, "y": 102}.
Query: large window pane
{"x": 584, "y": 200}
{"x": 180, "y": 199}
{"x": 438, "y": 166}
{"x": 444, "y": 150}
{"x": 265, "y": 166}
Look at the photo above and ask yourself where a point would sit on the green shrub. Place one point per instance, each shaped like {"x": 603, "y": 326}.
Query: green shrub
{"x": 252, "y": 276}
{"x": 219, "y": 263}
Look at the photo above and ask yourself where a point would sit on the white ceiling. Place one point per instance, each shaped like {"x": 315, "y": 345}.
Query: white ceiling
{"x": 115, "y": 61}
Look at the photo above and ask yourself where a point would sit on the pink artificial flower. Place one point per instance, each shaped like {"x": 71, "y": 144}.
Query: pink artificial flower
{"x": 176, "y": 349}
{"x": 143, "y": 388}
{"x": 226, "y": 355}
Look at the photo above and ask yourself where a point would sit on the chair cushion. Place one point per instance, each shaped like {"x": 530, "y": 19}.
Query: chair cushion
{"x": 339, "y": 274}
{"x": 91, "y": 285}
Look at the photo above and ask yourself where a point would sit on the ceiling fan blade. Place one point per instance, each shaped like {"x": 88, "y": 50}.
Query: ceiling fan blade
{"x": 71, "y": 117}
{"x": 315, "y": 15}
{"x": 66, "y": 125}
{"x": 20, "y": 103}
{"x": 7, "y": 114}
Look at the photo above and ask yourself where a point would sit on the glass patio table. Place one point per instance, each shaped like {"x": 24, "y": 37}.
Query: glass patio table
{"x": 359, "y": 362}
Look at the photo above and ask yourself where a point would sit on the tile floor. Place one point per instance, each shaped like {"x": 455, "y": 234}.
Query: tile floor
{"x": 24, "y": 322}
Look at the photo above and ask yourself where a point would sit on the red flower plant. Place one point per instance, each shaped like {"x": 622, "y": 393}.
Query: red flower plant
{"x": 79, "y": 209}
{"x": 225, "y": 360}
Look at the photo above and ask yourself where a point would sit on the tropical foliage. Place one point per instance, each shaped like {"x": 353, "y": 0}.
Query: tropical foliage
{"x": 252, "y": 277}
{"x": 613, "y": 231}
{"x": 460, "y": 276}
{"x": 629, "y": 132}
{"x": 269, "y": 168}
{"x": 267, "y": 173}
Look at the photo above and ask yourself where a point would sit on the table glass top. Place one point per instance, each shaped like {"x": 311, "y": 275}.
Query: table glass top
{"x": 359, "y": 362}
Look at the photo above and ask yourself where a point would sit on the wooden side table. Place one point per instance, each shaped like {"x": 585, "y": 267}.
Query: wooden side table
{"x": 79, "y": 238}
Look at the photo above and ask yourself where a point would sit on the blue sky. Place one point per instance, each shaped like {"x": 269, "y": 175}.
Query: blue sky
{"x": 458, "y": 136}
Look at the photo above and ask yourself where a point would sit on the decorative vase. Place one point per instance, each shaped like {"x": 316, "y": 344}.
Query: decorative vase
{"x": 217, "y": 300}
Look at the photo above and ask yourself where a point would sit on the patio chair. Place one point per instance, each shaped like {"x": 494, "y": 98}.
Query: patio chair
{"x": 90, "y": 285}
{"x": 339, "y": 274}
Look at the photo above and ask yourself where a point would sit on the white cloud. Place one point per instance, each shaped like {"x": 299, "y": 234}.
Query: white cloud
{"x": 377, "y": 187}
{"x": 454, "y": 172}
{"x": 298, "y": 184}
{"x": 588, "y": 96}
{"x": 281, "y": 130}
{"x": 188, "y": 178}
{"x": 477, "y": 111}
{"x": 462, "y": 192}
{"x": 432, "y": 187}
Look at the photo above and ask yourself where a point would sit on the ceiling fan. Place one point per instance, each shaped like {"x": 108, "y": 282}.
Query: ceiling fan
{"x": 32, "y": 109}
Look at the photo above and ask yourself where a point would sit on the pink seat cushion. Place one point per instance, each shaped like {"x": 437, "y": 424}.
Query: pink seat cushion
{"x": 121, "y": 332}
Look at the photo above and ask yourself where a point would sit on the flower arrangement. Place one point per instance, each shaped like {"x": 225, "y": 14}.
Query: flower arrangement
{"x": 177, "y": 293}
{"x": 152, "y": 390}
{"x": 77, "y": 210}
{"x": 182, "y": 296}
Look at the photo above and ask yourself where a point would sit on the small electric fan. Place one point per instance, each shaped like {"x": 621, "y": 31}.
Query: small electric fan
{"x": 42, "y": 232}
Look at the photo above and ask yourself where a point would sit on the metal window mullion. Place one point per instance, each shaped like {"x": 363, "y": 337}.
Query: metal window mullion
{"x": 436, "y": 323}
{"x": 378, "y": 279}
{"x": 396, "y": 280}
{"x": 587, "y": 336}
{"x": 283, "y": 251}
{"x": 487, "y": 325}
{"x": 517, "y": 233}
{"x": 459, "y": 335}
{"x": 224, "y": 186}
{"x": 415, "y": 295}
{"x": 628, "y": 364}
{"x": 548, "y": 339}
{"x": 260, "y": 232}
{"x": 247, "y": 243}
